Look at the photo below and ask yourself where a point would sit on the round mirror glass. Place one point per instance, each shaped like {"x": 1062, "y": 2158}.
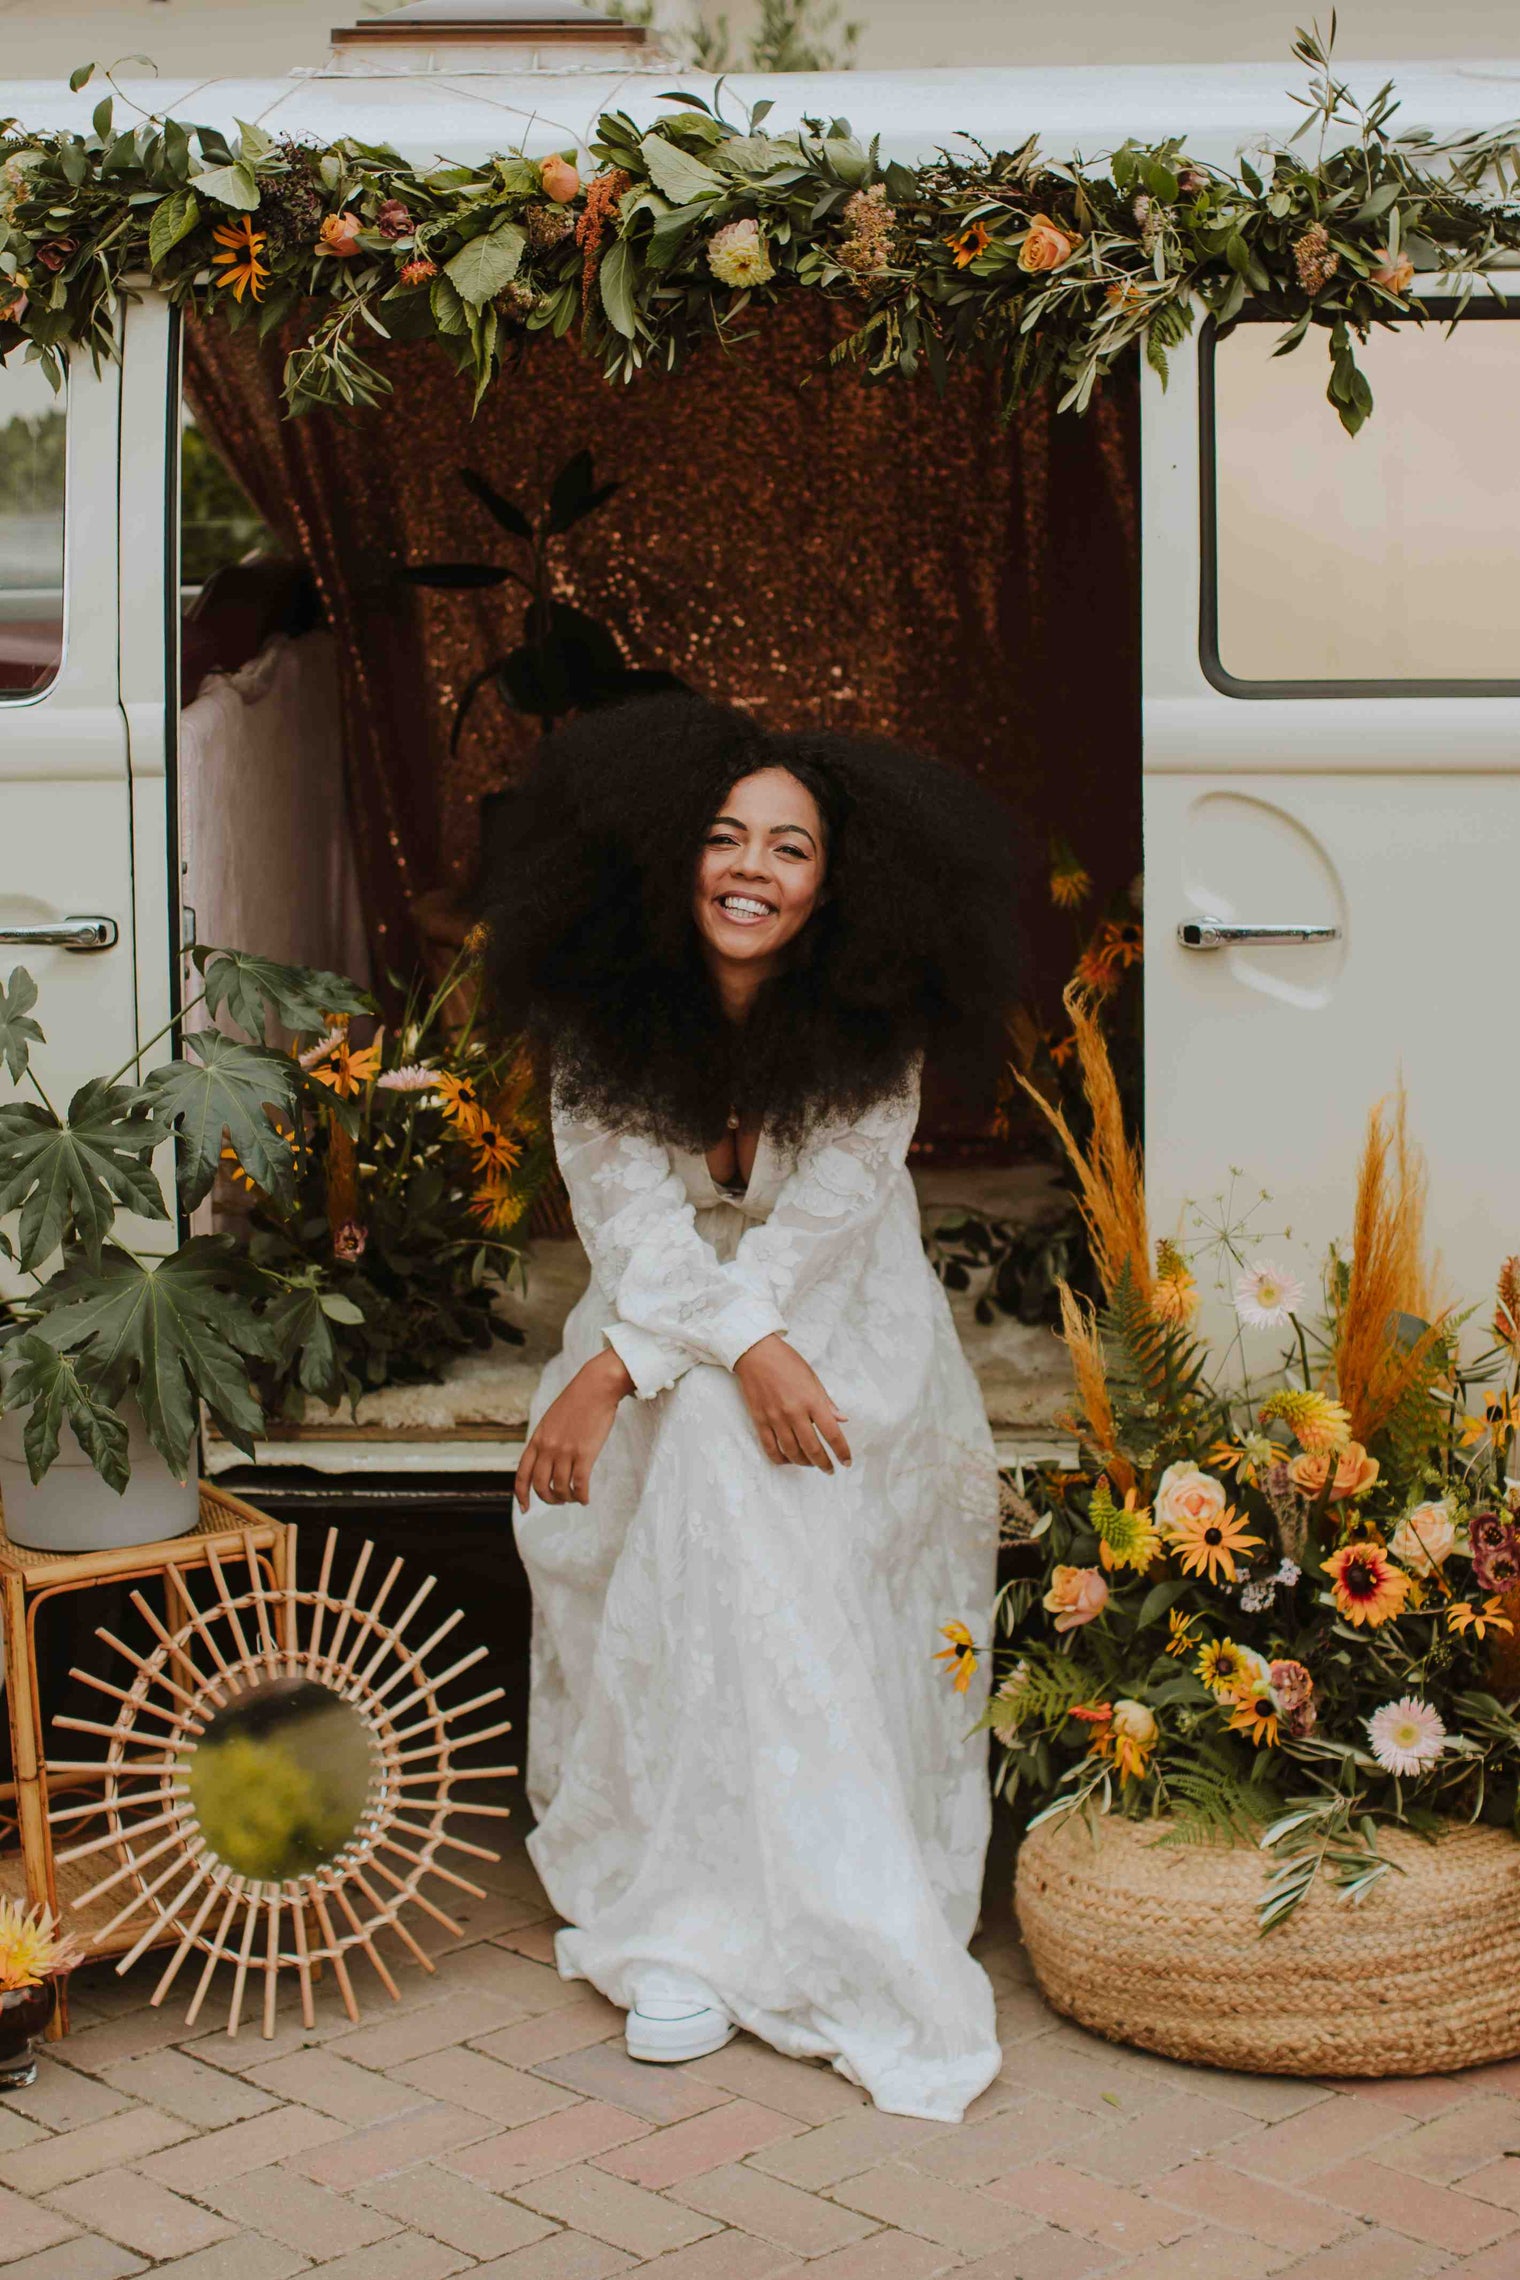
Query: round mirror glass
{"x": 281, "y": 1778}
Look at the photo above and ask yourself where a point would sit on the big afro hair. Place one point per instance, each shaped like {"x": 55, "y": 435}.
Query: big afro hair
{"x": 593, "y": 950}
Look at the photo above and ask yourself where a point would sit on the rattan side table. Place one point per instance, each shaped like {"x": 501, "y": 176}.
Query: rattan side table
{"x": 229, "y": 1529}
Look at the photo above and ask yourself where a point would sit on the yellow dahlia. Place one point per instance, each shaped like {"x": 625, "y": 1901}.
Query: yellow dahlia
{"x": 31, "y": 1947}
{"x": 1319, "y": 1424}
{"x": 1365, "y": 1584}
{"x": 1207, "y": 1546}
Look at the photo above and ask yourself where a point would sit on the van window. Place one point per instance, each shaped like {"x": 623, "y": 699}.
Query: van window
{"x": 1386, "y": 562}
{"x": 32, "y": 427}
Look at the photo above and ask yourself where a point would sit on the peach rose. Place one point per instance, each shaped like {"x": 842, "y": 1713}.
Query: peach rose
{"x": 1187, "y": 1493}
{"x": 1046, "y": 246}
{"x": 338, "y": 234}
{"x": 1394, "y": 272}
{"x": 1076, "y": 1596}
{"x": 1425, "y": 1538}
{"x": 1355, "y": 1473}
{"x": 560, "y": 180}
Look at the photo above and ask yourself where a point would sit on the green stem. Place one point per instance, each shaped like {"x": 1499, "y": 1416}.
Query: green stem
{"x": 135, "y": 1060}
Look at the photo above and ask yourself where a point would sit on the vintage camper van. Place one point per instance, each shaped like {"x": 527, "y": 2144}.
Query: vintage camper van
{"x": 1330, "y": 686}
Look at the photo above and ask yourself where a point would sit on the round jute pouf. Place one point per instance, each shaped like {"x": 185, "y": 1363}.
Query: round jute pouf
{"x": 1157, "y": 1945}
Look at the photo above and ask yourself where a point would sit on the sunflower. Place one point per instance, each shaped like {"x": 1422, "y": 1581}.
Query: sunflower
{"x": 1365, "y": 1584}
{"x": 1255, "y": 1713}
{"x": 1125, "y": 1532}
{"x": 239, "y": 259}
{"x": 960, "y": 1656}
{"x": 346, "y": 1071}
{"x": 1463, "y": 1617}
{"x": 1320, "y": 1426}
{"x": 461, "y": 1101}
{"x": 1208, "y": 1547}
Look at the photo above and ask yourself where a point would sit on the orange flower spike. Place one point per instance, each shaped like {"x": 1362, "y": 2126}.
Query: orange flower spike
{"x": 960, "y": 1656}
{"x": 241, "y": 246}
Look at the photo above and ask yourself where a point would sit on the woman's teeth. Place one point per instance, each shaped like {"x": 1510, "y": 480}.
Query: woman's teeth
{"x": 744, "y": 906}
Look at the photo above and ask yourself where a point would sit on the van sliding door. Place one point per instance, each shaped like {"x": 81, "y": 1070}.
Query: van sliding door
{"x": 1332, "y": 776}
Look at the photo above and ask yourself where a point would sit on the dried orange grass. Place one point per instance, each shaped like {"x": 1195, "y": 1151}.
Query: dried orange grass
{"x": 1389, "y": 1277}
{"x": 1083, "y": 1344}
{"x": 1110, "y": 1179}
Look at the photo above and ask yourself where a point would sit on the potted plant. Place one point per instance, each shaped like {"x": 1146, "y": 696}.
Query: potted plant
{"x": 122, "y": 1343}
{"x": 34, "y": 1955}
{"x": 1266, "y": 1668}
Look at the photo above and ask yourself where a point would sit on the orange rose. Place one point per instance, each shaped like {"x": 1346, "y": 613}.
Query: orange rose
{"x": 560, "y": 180}
{"x": 1046, "y": 246}
{"x": 1394, "y": 272}
{"x": 1076, "y": 1596}
{"x": 1355, "y": 1473}
{"x": 339, "y": 232}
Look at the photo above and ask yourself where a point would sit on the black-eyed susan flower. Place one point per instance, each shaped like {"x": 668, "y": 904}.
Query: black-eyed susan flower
{"x": 1208, "y": 1546}
{"x": 1463, "y": 1617}
{"x": 959, "y": 1657}
{"x": 238, "y": 260}
{"x": 1255, "y": 1714}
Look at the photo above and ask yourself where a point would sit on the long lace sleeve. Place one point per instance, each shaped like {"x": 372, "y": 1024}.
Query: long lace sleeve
{"x": 797, "y": 1259}
{"x": 676, "y": 1302}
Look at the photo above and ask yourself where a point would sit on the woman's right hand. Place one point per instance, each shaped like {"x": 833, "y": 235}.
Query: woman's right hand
{"x": 556, "y": 1464}
{"x": 792, "y": 1412}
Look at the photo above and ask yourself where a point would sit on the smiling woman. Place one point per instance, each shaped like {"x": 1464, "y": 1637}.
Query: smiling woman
{"x": 760, "y": 1461}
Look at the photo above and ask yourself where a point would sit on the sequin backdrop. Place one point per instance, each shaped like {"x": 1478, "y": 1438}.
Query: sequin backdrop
{"x": 789, "y": 538}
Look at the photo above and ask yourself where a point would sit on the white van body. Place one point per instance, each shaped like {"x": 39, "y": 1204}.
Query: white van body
{"x": 1331, "y": 675}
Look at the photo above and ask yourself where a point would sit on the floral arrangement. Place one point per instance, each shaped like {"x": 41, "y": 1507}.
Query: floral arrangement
{"x": 1273, "y": 1603}
{"x": 32, "y": 1948}
{"x": 413, "y": 1175}
{"x": 1050, "y": 271}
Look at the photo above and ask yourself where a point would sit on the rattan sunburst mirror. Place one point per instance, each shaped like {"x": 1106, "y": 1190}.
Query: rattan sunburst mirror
{"x": 279, "y": 1779}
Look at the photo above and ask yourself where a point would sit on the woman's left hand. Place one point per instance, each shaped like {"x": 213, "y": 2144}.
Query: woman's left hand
{"x": 556, "y": 1464}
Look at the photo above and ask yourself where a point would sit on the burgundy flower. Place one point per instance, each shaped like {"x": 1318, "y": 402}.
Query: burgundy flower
{"x": 1488, "y": 1531}
{"x": 56, "y": 252}
{"x": 349, "y": 1241}
{"x": 1498, "y": 1569}
{"x": 394, "y": 220}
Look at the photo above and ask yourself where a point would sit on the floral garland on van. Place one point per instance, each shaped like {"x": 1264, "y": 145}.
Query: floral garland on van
{"x": 1050, "y": 272}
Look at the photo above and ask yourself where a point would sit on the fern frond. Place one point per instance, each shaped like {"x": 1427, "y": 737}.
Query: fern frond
{"x": 1211, "y": 1804}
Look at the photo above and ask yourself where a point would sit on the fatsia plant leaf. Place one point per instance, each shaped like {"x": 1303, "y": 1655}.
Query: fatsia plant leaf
{"x": 52, "y": 1389}
{"x": 227, "y": 1091}
{"x": 255, "y": 990}
{"x": 171, "y": 1332}
{"x": 18, "y": 1031}
{"x": 299, "y": 1324}
{"x": 68, "y": 1179}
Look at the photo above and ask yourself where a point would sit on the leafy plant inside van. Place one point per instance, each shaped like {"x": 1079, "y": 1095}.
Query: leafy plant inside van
{"x": 567, "y": 660}
{"x": 108, "y": 1319}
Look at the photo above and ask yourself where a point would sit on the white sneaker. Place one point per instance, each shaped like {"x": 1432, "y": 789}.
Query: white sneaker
{"x": 665, "y": 2029}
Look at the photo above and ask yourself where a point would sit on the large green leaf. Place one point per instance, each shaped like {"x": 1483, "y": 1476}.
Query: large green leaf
{"x": 299, "y": 1324}
{"x": 68, "y": 1179}
{"x": 255, "y": 990}
{"x": 228, "y": 1095}
{"x": 234, "y": 185}
{"x": 49, "y": 1386}
{"x": 615, "y": 283}
{"x": 174, "y": 219}
{"x": 486, "y": 265}
{"x": 682, "y": 178}
{"x": 18, "y": 1031}
{"x": 172, "y": 1332}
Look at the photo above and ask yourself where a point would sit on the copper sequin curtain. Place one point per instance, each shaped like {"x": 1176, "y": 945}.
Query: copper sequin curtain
{"x": 788, "y": 538}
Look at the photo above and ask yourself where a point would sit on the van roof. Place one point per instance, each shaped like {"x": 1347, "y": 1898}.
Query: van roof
{"x": 465, "y": 116}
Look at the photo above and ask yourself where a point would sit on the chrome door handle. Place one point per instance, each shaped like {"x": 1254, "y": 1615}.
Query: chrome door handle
{"x": 65, "y": 934}
{"x": 1223, "y": 933}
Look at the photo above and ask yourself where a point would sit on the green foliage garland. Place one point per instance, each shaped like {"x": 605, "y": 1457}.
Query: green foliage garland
{"x": 1049, "y": 272}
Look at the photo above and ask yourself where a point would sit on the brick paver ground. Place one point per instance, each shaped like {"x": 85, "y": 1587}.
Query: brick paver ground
{"x": 491, "y": 2124}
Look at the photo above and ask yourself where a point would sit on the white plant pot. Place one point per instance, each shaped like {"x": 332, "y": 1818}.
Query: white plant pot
{"x": 72, "y": 1510}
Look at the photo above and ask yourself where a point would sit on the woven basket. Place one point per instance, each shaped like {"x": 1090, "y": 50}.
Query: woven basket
{"x": 1157, "y": 1945}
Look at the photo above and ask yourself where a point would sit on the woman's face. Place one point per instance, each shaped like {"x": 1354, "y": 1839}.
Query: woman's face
{"x": 761, "y": 870}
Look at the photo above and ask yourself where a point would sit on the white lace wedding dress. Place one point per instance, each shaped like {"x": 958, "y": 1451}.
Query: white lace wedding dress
{"x": 752, "y": 1780}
